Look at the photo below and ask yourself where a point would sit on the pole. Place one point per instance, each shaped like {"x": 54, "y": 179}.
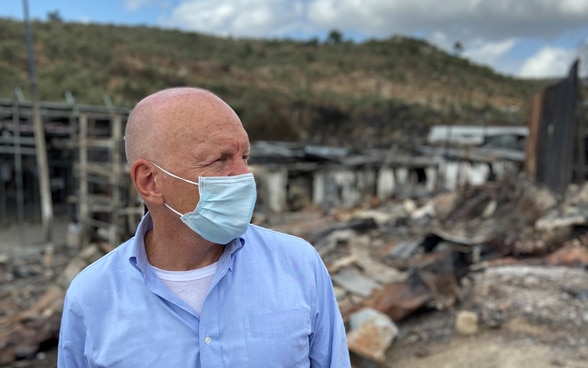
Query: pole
{"x": 18, "y": 168}
{"x": 41, "y": 150}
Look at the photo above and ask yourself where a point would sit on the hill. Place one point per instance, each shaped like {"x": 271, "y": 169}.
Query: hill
{"x": 328, "y": 92}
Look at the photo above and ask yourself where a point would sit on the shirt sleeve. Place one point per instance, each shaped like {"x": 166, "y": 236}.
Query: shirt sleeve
{"x": 328, "y": 343}
{"x": 72, "y": 337}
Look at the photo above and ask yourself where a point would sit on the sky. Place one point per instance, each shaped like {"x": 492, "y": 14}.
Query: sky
{"x": 520, "y": 38}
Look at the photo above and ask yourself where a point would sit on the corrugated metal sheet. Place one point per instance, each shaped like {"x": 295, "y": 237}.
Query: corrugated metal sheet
{"x": 553, "y": 132}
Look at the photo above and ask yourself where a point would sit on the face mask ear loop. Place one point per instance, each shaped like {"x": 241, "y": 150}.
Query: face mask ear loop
{"x": 171, "y": 209}
{"x": 173, "y": 175}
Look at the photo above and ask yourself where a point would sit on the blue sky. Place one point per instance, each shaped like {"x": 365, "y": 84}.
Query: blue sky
{"x": 522, "y": 38}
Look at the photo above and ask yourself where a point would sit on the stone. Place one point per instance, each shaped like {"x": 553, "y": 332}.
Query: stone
{"x": 371, "y": 334}
{"x": 466, "y": 323}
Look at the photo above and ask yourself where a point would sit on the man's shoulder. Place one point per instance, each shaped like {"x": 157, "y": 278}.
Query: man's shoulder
{"x": 273, "y": 235}
{"x": 107, "y": 265}
{"x": 277, "y": 241}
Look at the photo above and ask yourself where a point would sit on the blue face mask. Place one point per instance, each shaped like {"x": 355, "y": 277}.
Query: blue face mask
{"x": 225, "y": 207}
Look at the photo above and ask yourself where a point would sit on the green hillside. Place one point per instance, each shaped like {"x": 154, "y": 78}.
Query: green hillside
{"x": 335, "y": 92}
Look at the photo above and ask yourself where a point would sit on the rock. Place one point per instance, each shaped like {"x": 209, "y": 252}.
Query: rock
{"x": 371, "y": 334}
{"x": 466, "y": 323}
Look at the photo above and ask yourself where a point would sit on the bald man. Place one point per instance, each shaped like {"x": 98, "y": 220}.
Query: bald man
{"x": 198, "y": 285}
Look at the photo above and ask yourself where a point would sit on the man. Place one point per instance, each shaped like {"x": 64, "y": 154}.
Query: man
{"x": 198, "y": 286}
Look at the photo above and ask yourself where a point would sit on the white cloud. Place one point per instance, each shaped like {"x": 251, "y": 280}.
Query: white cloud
{"x": 548, "y": 62}
{"x": 489, "y": 29}
{"x": 249, "y": 18}
{"x": 490, "y": 52}
{"x": 573, "y": 7}
{"x": 476, "y": 49}
{"x": 133, "y": 5}
{"x": 492, "y": 20}
{"x": 493, "y": 54}
{"x": 489, "y": 19}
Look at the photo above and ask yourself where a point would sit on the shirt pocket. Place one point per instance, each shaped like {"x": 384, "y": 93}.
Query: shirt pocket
{"x": 278, "y": 339}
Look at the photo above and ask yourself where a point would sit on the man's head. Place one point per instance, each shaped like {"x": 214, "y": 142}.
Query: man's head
{"x": 166, "y": 118}
{"x": 191, "y": 133}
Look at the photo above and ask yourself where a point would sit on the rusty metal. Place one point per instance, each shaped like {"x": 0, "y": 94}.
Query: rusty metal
{"x": 553, "y": 133}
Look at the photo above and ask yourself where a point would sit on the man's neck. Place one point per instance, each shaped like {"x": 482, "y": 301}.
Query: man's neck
{"x": 180, "y": 250}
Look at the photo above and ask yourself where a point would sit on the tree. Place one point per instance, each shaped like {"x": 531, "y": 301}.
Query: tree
{"x": 54, "y": 16}
{"x": 335, "y": 37}
{"x": 457, "y": 48}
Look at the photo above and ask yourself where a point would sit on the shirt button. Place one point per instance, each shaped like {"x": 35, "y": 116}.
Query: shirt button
{"x": 207, "y": 340}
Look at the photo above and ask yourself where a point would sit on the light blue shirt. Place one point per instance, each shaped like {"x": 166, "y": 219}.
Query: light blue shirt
{"x": 270, "y": 304}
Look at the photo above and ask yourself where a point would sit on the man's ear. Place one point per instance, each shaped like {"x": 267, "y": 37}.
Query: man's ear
{"x": 144, "y": 181}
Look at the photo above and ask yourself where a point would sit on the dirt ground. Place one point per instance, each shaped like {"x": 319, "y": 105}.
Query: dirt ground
{"x": 534, "y": 338}
{"x": 427, "y": 339}
{"x": 516, "y": 345}
{"x": 488, "y": 350}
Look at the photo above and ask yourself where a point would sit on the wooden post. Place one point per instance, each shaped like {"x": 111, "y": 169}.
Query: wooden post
{"x": 83, "y": 208}
{"x": 18, "y": 169}
{"x": 41, "y": 150}
{"x": 116, "y": 175}
{"x": 533, "y": 136}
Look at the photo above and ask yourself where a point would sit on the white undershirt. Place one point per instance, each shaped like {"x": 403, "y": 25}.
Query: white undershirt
{"x": 191, "y": 286}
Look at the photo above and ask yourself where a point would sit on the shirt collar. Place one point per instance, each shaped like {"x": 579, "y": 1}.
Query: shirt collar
{"x": 138, "y": 256}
